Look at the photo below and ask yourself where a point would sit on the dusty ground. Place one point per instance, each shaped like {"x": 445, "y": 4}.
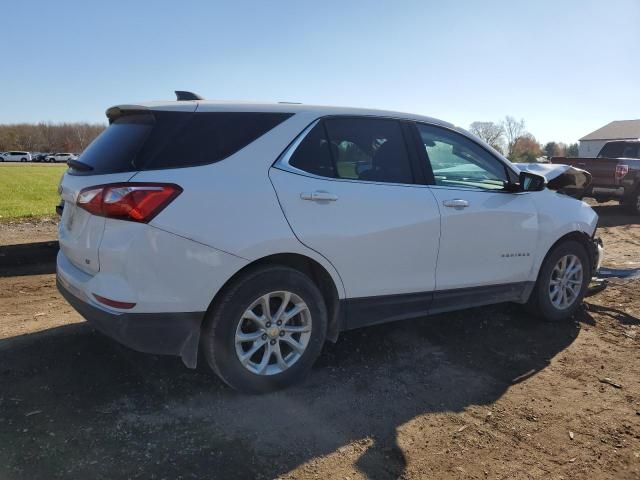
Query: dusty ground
{"x": 28, "y": 231}
{"x": 485, "y": 393}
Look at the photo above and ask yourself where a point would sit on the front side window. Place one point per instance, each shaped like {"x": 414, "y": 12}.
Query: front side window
{"x": 365, "y": 149}
{"x": 457, "y": 161}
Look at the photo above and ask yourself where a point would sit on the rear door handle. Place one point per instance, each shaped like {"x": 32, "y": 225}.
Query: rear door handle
{"x": 456, "y": 203}
{"x": 319, "y": 197}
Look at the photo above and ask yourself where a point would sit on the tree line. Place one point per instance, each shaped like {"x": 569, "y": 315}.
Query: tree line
{"x": 48, "y": 137}
{"x": 511, "y": 138}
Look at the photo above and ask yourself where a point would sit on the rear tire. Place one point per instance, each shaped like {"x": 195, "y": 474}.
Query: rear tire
{"x": 238, "y": 325}
{"x": 558, "y": 292}
{"x": 632, "y": 203}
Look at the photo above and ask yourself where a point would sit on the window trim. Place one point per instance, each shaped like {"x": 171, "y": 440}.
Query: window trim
{"x": 430, "y": 177}
{"x": 282, "y": 162}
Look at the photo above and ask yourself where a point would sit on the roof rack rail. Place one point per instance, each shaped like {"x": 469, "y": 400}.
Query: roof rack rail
{"x": 182, "y": 95}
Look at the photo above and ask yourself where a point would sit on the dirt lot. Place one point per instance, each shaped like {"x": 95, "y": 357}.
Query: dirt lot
{"x": 484, "y": 393}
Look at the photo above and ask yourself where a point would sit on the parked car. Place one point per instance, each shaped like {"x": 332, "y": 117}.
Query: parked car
{"x": 40, "y": 157}
{"x": 16, "y": 156}
{"x": 60, "y": 157}
{"x": 254, "y": 233}
{"x": 615, "y": 172}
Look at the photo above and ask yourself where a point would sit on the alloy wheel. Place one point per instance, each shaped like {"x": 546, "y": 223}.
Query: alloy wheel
{"x": 566, "y": 282}
{"x": 273, "y": 333}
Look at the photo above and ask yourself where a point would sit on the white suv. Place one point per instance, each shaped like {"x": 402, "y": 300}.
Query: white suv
{"x": 255, "y": 232}
{"x": 15, "y": 156}
{"x": 60, "y": 157}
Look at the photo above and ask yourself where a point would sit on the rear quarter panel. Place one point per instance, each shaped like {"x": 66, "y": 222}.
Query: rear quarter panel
{"x": 159, "y": 271}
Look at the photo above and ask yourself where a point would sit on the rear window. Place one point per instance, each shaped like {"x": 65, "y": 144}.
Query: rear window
{"x": 620, "y": 150}
{"x": 151, "y": 141}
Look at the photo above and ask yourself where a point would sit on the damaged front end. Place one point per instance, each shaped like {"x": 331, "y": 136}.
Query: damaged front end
{"x": 573, "y": 182}
{"x": 564, "y": 179}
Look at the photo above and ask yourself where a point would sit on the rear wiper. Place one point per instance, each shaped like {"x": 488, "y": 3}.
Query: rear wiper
{"x": 80, "y": 166}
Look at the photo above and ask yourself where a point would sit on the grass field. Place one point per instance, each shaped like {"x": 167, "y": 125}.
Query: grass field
{"x": 28, "y": 190}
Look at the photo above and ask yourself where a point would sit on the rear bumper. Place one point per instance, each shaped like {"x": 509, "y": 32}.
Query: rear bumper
{"x": 157, "y": 333}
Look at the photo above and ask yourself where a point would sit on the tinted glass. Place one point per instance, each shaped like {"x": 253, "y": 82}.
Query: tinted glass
{"x": 631, "y": 150}
{"x": 612, "y": 150}
{"x": 313, "y": 154}
{"x": 620, "y": 150}
{"x": 202, "y": 137}
{"x": 149, "y": 141}
{"x": 458, "y": 161}
{"x": 369, "y": 149}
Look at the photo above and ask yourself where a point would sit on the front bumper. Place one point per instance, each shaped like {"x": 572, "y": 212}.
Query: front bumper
{"x": 157, "y": 333}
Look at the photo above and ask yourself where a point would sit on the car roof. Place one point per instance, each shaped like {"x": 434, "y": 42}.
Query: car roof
{"x": 290, "y": 107}
{"x": 285, "y": 107}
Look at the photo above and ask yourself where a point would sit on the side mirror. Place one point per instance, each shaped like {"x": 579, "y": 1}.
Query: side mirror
{"x": 530, "y": 182}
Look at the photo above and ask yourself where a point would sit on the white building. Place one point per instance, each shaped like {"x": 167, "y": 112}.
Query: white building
{"x": 591, "y": 144}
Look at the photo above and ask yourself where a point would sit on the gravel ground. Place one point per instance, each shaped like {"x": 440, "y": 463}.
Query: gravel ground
{"x": 483, "y": 393}
{"x": 28, "y": 231}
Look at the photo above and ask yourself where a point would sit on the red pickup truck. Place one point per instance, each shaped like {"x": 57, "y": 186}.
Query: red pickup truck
{"x": 615, "y": 173}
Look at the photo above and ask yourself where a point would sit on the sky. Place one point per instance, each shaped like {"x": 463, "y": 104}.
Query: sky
{"x": 566, "y": 67}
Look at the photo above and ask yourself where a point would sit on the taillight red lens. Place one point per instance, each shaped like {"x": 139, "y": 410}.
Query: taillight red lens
{"x": 91, "y": 200}
{"x": 136, "y": 202}
{"x": 114, "y": 303}
{"x": 621, "y": 171}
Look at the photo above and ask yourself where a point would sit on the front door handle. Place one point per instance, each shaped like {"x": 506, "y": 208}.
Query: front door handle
{"x": 319, "y": 197}
{"x": 456, "y": 203}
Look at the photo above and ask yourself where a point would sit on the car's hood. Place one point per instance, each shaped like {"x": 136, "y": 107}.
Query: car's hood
{"x": 559, "y": 176}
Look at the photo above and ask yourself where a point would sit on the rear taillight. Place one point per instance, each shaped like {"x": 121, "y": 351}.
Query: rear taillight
{"x": 621, "y": 171}
{"x": 114, "y": 303}
{"x": 136, "y": 202}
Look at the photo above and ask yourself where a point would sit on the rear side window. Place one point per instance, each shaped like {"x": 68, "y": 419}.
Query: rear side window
{"x": 620, "y": 150}
{"x": 313, "y": 154}
{"x": 160, "y": 139}
{"x": 612, "y": 150}
{"x": 631, "y": 150}
{"x": 369, "y": 149}
{"x": 355, "y": 148}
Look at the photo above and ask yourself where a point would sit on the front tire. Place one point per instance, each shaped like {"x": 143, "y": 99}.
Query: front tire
{"x": 562, "y": 282}
{"x": 266, "y": 330}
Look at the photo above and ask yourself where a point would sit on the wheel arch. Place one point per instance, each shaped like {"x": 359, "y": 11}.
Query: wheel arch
{"x": 578, "y": 236}
{"x": 316, "y": 272}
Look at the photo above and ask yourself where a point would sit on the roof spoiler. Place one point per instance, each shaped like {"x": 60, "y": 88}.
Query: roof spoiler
{"x": 182, "y": 95}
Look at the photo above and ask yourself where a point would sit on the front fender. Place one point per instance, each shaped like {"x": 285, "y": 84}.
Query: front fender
{"x": 558, "y": 216}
